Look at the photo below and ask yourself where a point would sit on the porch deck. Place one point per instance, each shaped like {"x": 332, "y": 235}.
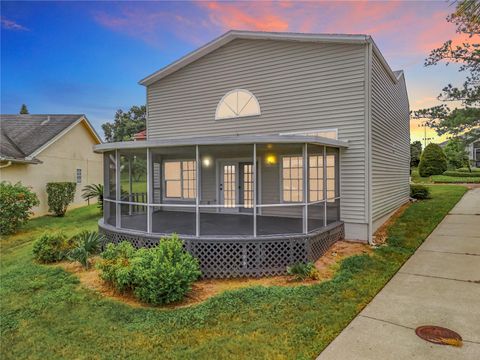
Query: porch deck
{"x": 218, "y": 224}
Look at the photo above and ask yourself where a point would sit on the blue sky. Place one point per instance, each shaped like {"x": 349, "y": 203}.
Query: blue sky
{"x": 87, "y": 57}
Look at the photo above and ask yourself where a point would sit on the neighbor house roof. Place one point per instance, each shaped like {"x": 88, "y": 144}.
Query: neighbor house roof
{"x": 140, "y": 136}
{"x": 23, "y": 137}
{"x": 261, "y": 35}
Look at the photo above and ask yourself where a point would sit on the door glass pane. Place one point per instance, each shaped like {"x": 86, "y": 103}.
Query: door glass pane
{"x": 229, "y": 186}
{"x": 247, "y": 185}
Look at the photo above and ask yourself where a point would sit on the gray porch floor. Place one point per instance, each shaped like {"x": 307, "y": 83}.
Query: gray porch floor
{"x": 182, "y": 222}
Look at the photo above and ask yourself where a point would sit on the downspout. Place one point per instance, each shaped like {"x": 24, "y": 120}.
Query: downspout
{"x": 368, "y": 139}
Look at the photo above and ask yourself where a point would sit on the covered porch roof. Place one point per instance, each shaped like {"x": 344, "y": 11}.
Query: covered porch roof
{"x": 222, "y": 140}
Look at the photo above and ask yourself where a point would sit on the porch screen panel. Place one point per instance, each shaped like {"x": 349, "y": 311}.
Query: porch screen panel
{"x": 226, "y": 196}
{"x": 333, "y": 189}
{"x": 316, "y": 186}
{"x": 133, "y": 189}
{"x": 110, "y": 188}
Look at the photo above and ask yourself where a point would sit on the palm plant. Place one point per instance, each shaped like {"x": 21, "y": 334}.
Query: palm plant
{"x": 94, "y": 191}
{"x": 88, "y": 244}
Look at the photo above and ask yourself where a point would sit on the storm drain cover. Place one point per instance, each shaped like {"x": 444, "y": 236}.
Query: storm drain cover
{"x": 439, "y": 335}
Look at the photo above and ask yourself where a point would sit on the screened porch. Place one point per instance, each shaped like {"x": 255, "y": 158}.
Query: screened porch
{"x": 238, "y": 187}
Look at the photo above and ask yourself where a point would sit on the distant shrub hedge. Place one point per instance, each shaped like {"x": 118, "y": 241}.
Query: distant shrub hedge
{"x": 433, "y": 161}
{"x": 457, "y": 173}
{"x": 16, "y": 203}
{"x": 60, "y": 194}
{"x": 419, "y": 192}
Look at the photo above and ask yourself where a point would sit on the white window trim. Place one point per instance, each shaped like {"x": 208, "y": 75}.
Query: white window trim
{"x": 282, "y": 200}
{"x": 304, "y": 132}
{"x": 217, "y": 117}
{"x": 164, "y": 181}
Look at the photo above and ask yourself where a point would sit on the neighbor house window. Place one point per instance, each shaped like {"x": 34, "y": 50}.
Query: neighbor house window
{"x": 292, "y": 178}
{"x": 79, "y": 176}
{"x": 315, "y": 177}
{"x": 237, "y": 103}
{"x": 180, "y": 179}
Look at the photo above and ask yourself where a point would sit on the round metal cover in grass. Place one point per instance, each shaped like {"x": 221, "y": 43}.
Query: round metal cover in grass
{"x": 439, "y": 335}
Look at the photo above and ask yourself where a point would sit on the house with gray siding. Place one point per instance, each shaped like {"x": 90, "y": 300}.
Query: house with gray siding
{"x": 262, "y": 149}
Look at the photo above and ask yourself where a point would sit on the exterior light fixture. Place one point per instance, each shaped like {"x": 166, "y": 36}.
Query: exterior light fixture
{"x": 207, "y": 161}
{"x": 271, "y": 159}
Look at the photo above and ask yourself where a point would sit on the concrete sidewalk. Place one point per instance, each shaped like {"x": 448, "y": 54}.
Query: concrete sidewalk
{"x": 438, "y": 285}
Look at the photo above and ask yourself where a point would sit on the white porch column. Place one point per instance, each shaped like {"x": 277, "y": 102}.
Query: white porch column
{"x": 118, "y": 193}
{"x": 197, "y": 191}
{"x": 325, "y": 185}
{"x": 149, "y": 191}
{"x": 305, "y": 190}
{"x": 254, "y": 172}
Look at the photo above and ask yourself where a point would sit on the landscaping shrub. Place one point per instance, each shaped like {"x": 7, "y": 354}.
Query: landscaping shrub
{"x": 60, "y": 194}
{"x": 302, "y": 271}
{"x": 419, "y": 192}
{"x": 433, "y": 161}
{"x": 461, "y": 173}
{"x": 465, "y": 169}
{"x": 159, "y": 275}
{"x": 94, "y": 191}
{"x": 16, "y": 202}
{"x": 87, "y": 243}
{"x": 115, "y": 266}
{"x": 165, "y": 273}
{"x": 50, "y": 248}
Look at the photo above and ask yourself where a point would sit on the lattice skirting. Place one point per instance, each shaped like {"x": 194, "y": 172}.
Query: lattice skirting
{"x": 243, "y": 256}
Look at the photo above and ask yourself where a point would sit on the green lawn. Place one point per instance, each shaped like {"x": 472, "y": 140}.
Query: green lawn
{"x": 439, "y": 179}
{"x": 46, "y": 314}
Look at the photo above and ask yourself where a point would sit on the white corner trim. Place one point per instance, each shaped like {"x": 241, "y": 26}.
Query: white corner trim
{"x": 62, "y": 133}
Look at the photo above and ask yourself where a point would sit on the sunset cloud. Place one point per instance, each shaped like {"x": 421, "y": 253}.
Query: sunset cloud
{"x": 12, "y": 25}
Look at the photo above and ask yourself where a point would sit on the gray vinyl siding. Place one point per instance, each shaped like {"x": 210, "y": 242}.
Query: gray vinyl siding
{"x": 390, "y": 142}
{"x": 300, "y": 86}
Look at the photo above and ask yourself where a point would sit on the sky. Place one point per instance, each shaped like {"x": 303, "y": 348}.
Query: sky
{"x": 87, "y": 57}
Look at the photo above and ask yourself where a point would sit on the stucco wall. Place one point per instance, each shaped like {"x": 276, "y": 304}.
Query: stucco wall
{"x": 60, "y": 161}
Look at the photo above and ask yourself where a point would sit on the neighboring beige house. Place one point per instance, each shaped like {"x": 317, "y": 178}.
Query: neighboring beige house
{"x": 37, "y": 149}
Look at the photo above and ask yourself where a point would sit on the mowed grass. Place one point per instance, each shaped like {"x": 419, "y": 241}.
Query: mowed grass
{"x": 438, "y": 179}
{"x": 46, "y": 314}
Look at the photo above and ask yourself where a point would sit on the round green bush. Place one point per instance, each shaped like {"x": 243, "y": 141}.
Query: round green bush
{"x": 159, "y": 275}
{"x": 53, "y": 247}
{"x": 165, "y": 273}
{"x": 60, "y": 194}
{"x": 433, "y": 161}
{"x": 419, "y": 192}
{"x": 16, "y": 203}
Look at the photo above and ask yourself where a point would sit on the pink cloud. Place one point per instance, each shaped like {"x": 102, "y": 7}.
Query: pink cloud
{"x": 12, "y": 25}
{"x": 247, "y": 16}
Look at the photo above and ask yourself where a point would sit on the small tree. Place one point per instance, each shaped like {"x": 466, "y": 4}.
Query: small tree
{"x": 415, "y": 152}
{"x": 16, "y": 202}
{"x": 456, "y": 154}
{"x": 433, "y": 161}
{"x": 94, "y": 191}
{"x": 23, "y": 109}
{"x": 60, "y": 194}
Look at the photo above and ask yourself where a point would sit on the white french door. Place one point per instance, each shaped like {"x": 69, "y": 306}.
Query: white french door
{"x": 229, "y": 186}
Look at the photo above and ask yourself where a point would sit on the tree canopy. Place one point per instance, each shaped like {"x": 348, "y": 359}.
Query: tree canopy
{"x": 125, "y": 124}
{"x": 456, "y": 154}
{"x": 23, "y": 109}
{"x": 465, "y": 119}
{"x": 415, "y": 152}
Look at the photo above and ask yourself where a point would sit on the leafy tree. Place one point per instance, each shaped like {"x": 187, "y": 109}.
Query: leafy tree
{"x": 467, "y": 118}
{"x": 23, "y": 109}
{"x": 415, "y": 152}
{"x": 433, "y": 161}
{"x": 456, "y": 154}
{"x": 125, "y": 124}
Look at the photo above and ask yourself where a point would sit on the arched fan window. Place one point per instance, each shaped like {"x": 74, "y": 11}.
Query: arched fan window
{"x": 237, "y": 103}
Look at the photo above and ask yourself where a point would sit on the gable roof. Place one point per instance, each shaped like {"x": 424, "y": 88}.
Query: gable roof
{"x": 22, "y": 137}
{"x": 262, "y": 35}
